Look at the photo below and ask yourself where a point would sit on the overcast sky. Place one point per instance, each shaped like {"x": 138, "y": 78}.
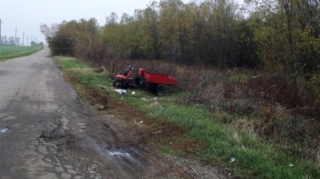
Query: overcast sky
{"x": 28, "y": 15}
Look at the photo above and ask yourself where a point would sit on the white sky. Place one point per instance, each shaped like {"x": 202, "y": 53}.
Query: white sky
{"x": 28, "y": 15}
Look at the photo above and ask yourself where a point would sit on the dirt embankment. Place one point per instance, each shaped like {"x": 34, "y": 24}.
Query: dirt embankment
{"x": 132, "y": 129}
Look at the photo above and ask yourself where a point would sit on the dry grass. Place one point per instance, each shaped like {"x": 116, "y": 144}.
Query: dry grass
{"x": 247, "y": 126}
{"x": 81, "y": 70}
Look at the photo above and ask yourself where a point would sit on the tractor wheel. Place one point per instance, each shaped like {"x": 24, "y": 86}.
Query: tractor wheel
{"x": 144, "y": 84}
{"x": 160, "y": 91}
{"x": 117, "y": 83}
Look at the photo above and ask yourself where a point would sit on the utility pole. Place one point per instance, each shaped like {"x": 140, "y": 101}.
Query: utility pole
{"x": 23, "y": 40}
{"x": 0, "y": 32}
{"x": 0, "y": 37}
{"x": 27, "y": 40}
{"x": 15, "y": 38}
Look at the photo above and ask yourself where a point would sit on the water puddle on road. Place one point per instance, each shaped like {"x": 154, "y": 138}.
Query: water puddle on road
{"x": 119, "y": 154}
{"x": 4, "y": 130}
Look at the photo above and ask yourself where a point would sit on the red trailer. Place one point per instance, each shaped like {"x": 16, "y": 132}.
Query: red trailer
{"x": 144, "y": 79}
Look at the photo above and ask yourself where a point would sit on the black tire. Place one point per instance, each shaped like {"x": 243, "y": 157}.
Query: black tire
{"x": 160, "y": 91}
{"x": 125, "y": 85}
{"x": 144, "y": 84}
{"x": 117, "y": 83}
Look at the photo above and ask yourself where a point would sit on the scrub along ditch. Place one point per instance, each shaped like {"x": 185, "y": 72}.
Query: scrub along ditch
{"x": 188, "y": 130}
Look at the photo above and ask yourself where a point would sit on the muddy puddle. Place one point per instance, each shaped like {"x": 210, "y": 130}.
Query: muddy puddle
{"x": 119, "y": 154}
{"x": 125, "y": 161}
{"x": 4, "y": 130}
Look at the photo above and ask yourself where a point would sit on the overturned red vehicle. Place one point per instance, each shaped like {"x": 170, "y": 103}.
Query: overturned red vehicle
{"x": 144, "y": 80}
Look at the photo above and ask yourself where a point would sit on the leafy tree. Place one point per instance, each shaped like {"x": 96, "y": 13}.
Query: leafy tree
{"x": 277, "y": 35}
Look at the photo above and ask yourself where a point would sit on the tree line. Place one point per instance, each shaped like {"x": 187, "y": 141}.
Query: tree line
{"x": 275, "y": 35}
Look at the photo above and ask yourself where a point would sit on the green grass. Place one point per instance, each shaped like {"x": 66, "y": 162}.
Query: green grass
{"x": 83, "y": 72}
{"x": 67, "y": 63}
{"x": 255, "y": 158}
{"x": 8, "y": 52}
{"x": 170, "y": 151}
{"x": 252, "y": 154}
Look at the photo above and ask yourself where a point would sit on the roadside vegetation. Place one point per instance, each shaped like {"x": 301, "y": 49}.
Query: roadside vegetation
{"x": 248, "y": 76}
{"x": 213, "y": 136}
{"x": 8, "y": 52}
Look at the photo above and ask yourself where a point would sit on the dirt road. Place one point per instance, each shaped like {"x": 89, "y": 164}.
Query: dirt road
{"x": 47, "y": 133}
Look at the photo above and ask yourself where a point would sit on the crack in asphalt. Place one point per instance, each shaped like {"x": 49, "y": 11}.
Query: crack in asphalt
{"x": 50, "y": 135}
{"x": 9, "y": 115}
{"x": 67, "y": 104}
{"x": 12, "y": 101}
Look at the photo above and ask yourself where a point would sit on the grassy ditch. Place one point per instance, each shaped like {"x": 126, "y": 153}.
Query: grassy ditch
{"x": 8, "y": 52}
{"x": 254, "y": 156}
